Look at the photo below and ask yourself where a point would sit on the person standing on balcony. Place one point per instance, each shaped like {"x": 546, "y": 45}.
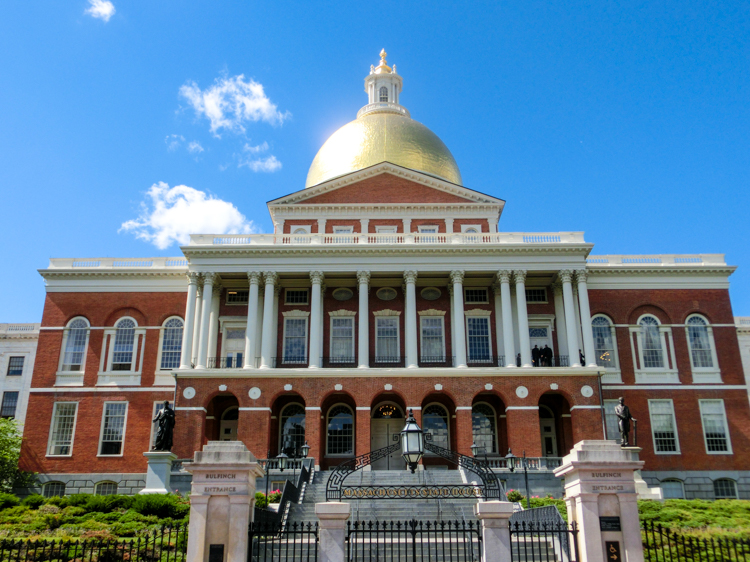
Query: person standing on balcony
{"x": 546, "y": 356}
{"x": 535, "y": 356}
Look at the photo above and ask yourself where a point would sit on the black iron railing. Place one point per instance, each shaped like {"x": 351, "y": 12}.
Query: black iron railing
{"x": 486, "y": 361}
{"x": 269, "y": 542}
{"x": 341, "y": 362}
{"x": 225, "y": 362}
{"x": 412, "y": 541}
{"x": 532, "y": 541}
{"x": 436, "y": 361}
{"x": 290, "y": 362}
{"x": 386, "y": 361}
{"x": 168, "y": 544}
{"x": 662, "y": 545}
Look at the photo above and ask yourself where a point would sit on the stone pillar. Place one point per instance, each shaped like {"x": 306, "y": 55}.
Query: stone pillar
{"x": 253, "y": 278}
{"x": 449, "y": 226}
{"x": 523, "y": 318}
{"x": 313, "y": 425}
{"x": 562, "y": 333}
{"x": 158, "y": 472}
{"x": 412, "y": 359}
{"x": 510, "y": 349}
{"x": 316, "y": 310}
{"x": 222, "y": 500}
{"x": 363, "y": 347}
{"x": 208, "y": 281}
{"x": 458, "y": 325}
{"x": 497, "y": 291}
{"x": 187, "y": 331}
{"x": 464, "y": 432}
{"x": 333, "y": 516}
{"x": 495, "y": 519}
{"x": 267, "y": 339}
{"x": 600, "y": 492}
{"x": 213, "y": 322}
{"x": 588, "y": 333}
{"x": 570, "y": 318}
{"x": 197, "y": 323}
{"x": 577, "y": 311}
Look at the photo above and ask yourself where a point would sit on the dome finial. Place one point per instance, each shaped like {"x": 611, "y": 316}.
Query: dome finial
{"x": 383, "y": 67}
{"x": 383, "y": 54}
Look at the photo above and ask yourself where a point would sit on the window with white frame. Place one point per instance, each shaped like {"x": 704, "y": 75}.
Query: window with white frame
{"x": 725, "y": 489}
{"x": 387, "y": 349}
{"x": 301, "y": 235}
{"x": 9, "y": 404}
{"x": 475, "y": 296}
{"x": 383, "y": 94}
{"x": 124, "y": 346}
{"x": 340, "y": 433}
{"x": 611, "y": 420}
{"x": 295, "y": 340}
{"x": 53, "y": 489}
{"x": 113, "y": 428}
{"x": 715, "y": 429}
{"x": 236, "y": 296}
{"x": 432, "y": 336}
{"x": 15, "y": 366}
{"x": 75, "y": 340}
{"x": 171, "y": 343}
{"x": 428, "y": 234}
{"x": 435, "y": 421}
{"x": 663, "y": 426}
{"x": 538, "y": 295}
{"x": 484, "y": 428}
{"x": 479, "y": 346}
{"x": 672, "y": 489}
{"x": 701, "y": 343}
{"x": 62, "y": 429}
{"x": 342, "y": 339}
{"x": 296, "y": 296}
{"x": 234, "y": 348}
{"x": 342, "y": 231}
{"x": 105, "y": 488}
{"x": 652, "y": 350}
{"x": 604, "y": 342}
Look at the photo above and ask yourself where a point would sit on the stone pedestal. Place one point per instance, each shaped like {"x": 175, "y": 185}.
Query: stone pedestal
{"x": 495, "y": 518}
{"x": 332, "y": 516}
{"x": 159, "y": 471}
{"x": 222, "y": 501}
{"x": 641, "y": 486}
{"x": 601, "y": 496}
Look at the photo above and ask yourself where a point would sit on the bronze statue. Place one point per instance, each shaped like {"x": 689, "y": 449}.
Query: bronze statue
{"x": 623, "y": 420}
{"x": 165, "y": 419}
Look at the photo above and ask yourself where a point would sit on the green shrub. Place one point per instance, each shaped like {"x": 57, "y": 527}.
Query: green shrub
{"x": 162, "y": 506}
{"x": 261, "y": 502}
{"x": 33, "y": 501}
{"x": 106, "y": 504}
{"x": 515, "y": 496}
{"x": 8, "y": 500}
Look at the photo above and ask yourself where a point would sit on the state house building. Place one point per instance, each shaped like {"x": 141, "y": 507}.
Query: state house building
{"x": 388, "y": 285}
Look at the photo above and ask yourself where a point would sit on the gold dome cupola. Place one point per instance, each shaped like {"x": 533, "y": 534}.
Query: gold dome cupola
{"x": 383, "y": 87}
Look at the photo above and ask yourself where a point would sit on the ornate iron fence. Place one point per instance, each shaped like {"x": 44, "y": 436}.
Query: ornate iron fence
{"x": 414, "y": 541}
{"x": 662, "y": 545}
{"x": 537, "y": 542}
{"x": 168, "y": 544}
{"x": 269, "y": 542}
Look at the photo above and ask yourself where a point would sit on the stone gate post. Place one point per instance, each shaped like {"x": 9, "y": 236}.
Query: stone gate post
{"x": 495, "y": 518}
{"x": 332, "y": 516}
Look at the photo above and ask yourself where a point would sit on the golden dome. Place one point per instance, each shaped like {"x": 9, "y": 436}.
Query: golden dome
{"x": 379, "y": 137}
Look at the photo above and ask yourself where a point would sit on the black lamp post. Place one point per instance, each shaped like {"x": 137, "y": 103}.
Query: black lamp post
{"x": 282, "y": 460}
{"x": 305, "y": 450}
{"x": 512, "y": 460}
{"x": 412, "y": 442}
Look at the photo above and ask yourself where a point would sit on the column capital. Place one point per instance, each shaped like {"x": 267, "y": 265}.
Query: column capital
{"x": 497, "y": 287}
{"x": 557, "y": 288}
{"x": 323, "y": 288}
{"x": 581, "y": 275}
{"x": 193, "y": 277}
{"x": 504, "y": 275}
{"x": 217, "y": 290}
{"x": 276, "y": 290}
{"x": 270, "y": 277}
{"x": 208, "y": 278}
{"x": 410, "y": 276}
{"x": 200, "y": 287}
{"x": 565, "y": 275}
{"x": 253, "y": 277}
{"x": 363, "y": 277}
{"x": 519, "y": 275}
{"x": 316, "y": 277}
{"x": 457, "y": 276}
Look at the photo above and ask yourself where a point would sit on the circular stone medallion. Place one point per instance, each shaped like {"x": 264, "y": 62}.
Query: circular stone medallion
{"x": 587, "y": 391}
{"x": 387, "y": 294}
{"x": 431, "y": 293}
{"x": 189, "y": 392}
{"x": 254, "y": 393}
{"x": 343, "y": 294}
{"x": 522, "y": 392}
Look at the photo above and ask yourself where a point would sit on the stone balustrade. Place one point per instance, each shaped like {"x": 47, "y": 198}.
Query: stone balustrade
{"x": 657, "y": 260}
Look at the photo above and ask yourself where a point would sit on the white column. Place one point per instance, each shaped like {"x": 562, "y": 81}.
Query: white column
{"x": 457, "y": 317}
{"x": 577, "y": 310}
{"x": 453, "y": 332}
{"x": 588, "y": 332}
{"x": 322, "y": 317}
{"x": 562, "y": 333}
{"x": 267, "y": 339}
{"x": 449, "y": 226}
{"x": 407, "y": 226}
{"x": 187, "y": 331}
{"x": 321, "y": 226}
{"x": 253, "y": 278}
{"x": 279, "y": 226}
{"x": 213, "y": 322}
{"x": 364, "y": 226}
{"x": 316, "y": 277}
{"x": 275, "y": 320}
{"x": 570, "y": 318}
{"x": 412, "y": 360}
{"x": 363, "y": 348}
{"x": 510, "y": 349}
{"x": 332, "y": 543}
{"x": 523, "y": 318}
{"x": 497, "y": 291}
{"x": 495, "y": 518}
{"x": 208, "y": 282}
{"x": 197, "y": 323}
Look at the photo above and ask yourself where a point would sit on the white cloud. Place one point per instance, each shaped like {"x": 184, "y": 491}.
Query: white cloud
{"x": 173, "y": 142}
{"x": 101, "y": 9}
{"x": 256, "y": 149}
{"x": 195, "y": 147}
{"x": 170, "y": 214}
{"x": 231, "y": 102}
{"x": 259, "y": 164}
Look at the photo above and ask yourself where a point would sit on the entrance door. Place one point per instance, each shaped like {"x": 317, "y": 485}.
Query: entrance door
{"x": 540, "y": 337}
{"x": 228, "y": 426}
{"x": 234, "y": 348}
{"x": 387, "y": 421}
{"x": 547, "y": 428}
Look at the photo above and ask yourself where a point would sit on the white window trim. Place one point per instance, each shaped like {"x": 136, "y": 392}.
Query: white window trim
{"x": 546, "y": 295}
{"x": 465, "y": 227}
{"x": 354, "y": 432}
{"x": 484, "y": 314}
{"x": 330, "y": 332}
{"x": 108, "y": 377}
{"x": 425, "y": 227}
{"x": 674, "y": 425}
{"x": 672, "y": 480}
{"x": 667, "y": 374}
{"x": 497, "y": 440}
{"x": 385, "y": 229}
{"x": 729, "y": 450}
{"x": 398, "y": 333}
{"x": 287, "y": 303}
{"x": 159, "y": 370}
{"x": 230, "y": 325}
{"x": 294, "y": 227}
{"x": 96, "y": 486}
{"x": 307, "y": 336}
{"x": 343, "y": 230}
{"x": 226, "y": 298}
{"x": 704, "y": 374}
{"x": 72, "y": 435}
{"x": 613, "y": 375}
{"x": 71, "y": 378}
{"x": 124, "y": 428}
{"x": 421, "y": 331}
{"x": 486, "y": 292}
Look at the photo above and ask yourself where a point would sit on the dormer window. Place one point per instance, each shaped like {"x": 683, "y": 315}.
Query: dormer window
{"x": 383, "y": 94}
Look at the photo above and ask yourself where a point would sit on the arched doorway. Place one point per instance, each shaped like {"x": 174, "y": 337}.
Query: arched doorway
{"x": 292, "y": 429}
{"x": 387, "y": 420}
{"x": 222, "y": 414}
{"x": 554, "y": 424}
{"x": 549, "y": 433}
{"x": 228, "y": 425}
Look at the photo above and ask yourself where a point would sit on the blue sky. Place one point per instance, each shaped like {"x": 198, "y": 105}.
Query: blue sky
{"x": 626, "y": 120}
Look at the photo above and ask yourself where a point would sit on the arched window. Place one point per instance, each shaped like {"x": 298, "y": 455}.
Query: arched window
{"x": 292, "y": 430}
{"x": 300, "y": 231}
{"x": 105, "y": 488}
{"x": 672, "y": 489}
{"x": 435, "y": 422}
{"x": 653, "y": 352}
{"x": 700, "y": 341}
{"x": 383, "y": 94}
{"x": 52, "y": 489}
{"x": 725, "y": 489}
{"x": 340, "y": 437}
{"x": 171, "y": 343}
{"x": 122, "y": 357}
{"x": 484, "y": 428}
{"x": 74, "y": 348}
{"x": 604, "y": 342}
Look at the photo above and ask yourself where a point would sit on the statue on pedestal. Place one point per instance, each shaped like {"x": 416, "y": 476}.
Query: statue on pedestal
{"x": 165, "y": 419}
{"x": 623, "y": 421}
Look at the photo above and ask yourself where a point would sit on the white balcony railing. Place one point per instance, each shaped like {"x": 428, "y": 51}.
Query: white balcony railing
{"x": 18, "y": 329}
{"x": 658, "y": 260}
{"x": 115, "y": 263}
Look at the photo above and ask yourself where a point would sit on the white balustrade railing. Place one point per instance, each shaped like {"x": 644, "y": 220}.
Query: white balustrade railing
{"x": 741, "y": 321}
{"x": 114, "y": 263}
{"x": 384, "y": 105}
{"x": 10, "y": 329}
{"x": 656, "y": 260}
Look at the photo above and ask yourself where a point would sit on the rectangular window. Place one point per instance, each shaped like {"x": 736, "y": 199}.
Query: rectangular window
{"x": 10, "y": 401}
{"x": 342, "y": 340}
{"x": 113, "y": 428}
{"x": 475, "y": 296}
{"x": 15, "y": 366}
{"x": 296, "y": 296}
{"x": 386, "y": 339}
{"x": 171, "y": 345}
{"x": 433, "y": 341}
{"x": 478, "y": 339}
{"x": 343, "y": 229}
{"x": 62, "y": 428}
{"x": 536, "y": 295}
{"x": 295, "y": 340}
{"x": 613, "y": 429}
{"x": 386, "y": 229}
{"x": 715, "y": 430}
{"x": 663, "y": 427}
{"x": 237, "y": 297}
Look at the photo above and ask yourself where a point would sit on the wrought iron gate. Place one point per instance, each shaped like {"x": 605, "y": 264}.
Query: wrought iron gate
{"x": 270, "y": 542}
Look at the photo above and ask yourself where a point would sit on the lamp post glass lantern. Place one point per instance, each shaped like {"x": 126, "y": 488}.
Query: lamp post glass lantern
{"x": 282, "y": 459}
{"x": 512, "y": 461}
{"x": 305, "y": 450}
{"x": 412, "y": 442}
